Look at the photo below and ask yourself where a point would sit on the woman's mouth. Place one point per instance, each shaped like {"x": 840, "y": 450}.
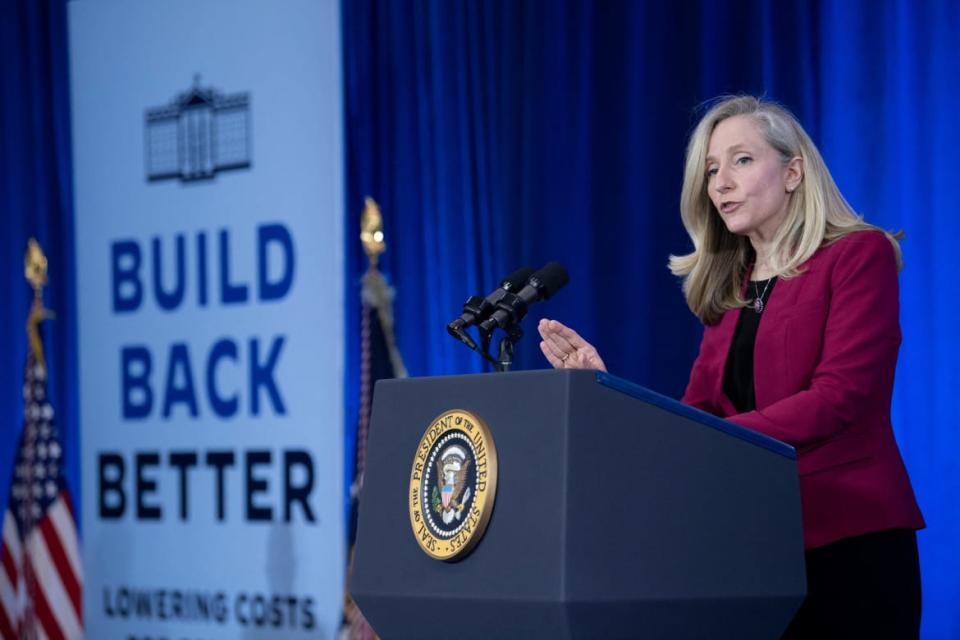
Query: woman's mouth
{"x": 729, "y": 207}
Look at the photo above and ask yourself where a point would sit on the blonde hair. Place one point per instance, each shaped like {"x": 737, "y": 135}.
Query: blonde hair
{"x": 817, "y": 212}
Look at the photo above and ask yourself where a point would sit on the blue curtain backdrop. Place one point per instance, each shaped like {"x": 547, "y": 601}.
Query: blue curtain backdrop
{"x": 498, "y": 133}
{"x": 36, "y": 201}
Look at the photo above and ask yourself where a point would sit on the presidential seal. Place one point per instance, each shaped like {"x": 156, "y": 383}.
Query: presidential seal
{"x": 453, "y": 484}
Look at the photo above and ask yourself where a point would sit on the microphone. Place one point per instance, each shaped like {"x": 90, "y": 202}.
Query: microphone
{"x": 476, "y": 308}
{"x": 512, "y": 307}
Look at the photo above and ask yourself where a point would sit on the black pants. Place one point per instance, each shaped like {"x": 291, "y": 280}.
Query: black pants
{"x": 862, "y": 587}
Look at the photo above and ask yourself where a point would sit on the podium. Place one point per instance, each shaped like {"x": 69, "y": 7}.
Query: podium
{"x": 618, "y": 513}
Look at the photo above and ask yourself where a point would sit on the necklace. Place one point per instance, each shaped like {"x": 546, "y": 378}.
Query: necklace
{"x": 758, "y": 300}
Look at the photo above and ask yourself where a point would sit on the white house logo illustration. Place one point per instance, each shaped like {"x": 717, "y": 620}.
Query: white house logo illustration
{"x": 201, "y": 132}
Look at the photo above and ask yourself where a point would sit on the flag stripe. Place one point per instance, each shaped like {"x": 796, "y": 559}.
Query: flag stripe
{"x": 44, "y": 615}
{"x": 6, "y": 626}
{"x": 68, "y": 503}
{"x": 8, "y": 605}
{"x": 11, "y": 538}
{"x": 48, "y": 578}
{"x": 62, "y": 566}
{"x": 61, "y": 516}
{"x": 9, "y": 571}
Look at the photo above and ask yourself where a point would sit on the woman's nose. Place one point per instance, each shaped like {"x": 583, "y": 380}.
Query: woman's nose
{"x": 722, "y": 181}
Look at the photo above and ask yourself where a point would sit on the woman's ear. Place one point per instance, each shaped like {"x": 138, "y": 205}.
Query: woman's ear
{"x": 793, "y": 174}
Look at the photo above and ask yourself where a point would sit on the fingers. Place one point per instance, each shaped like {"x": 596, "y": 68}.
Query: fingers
{"x": 558, "y": 336}
{"x": 565, "y": 349}
{"x": 555, "y": 353}
{"x": 568, "y": 334}
{"x": 559, "y": 347}
{"x": 554, "y": 361}
{"x": 543, "y": 327}
{"x": 555, "y": 350}
{"x": 550, "y": 331}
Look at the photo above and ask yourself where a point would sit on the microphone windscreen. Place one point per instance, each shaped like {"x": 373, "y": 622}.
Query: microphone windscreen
{"x": 550, "y": 279}
{"x": 516, "y": 279}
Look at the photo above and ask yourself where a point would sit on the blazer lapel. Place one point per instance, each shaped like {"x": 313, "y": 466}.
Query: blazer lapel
{"x": 769, "y": 352}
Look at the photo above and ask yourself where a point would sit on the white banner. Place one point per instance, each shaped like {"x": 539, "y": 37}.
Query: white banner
{"x": 209, "y": 202}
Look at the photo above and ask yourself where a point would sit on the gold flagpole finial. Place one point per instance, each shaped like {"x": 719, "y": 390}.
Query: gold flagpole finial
{"x": 35, "y": 268}
{"x": 35, "y": 271}
{"x": 371, "y": 231}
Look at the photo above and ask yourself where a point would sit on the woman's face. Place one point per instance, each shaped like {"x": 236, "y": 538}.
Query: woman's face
{"x": 747, "y": 180}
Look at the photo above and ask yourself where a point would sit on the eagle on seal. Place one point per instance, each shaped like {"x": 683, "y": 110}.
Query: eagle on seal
{"x": 452, "y": 468}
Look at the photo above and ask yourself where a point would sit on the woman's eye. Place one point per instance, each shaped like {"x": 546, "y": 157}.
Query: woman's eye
{"x": 744, "y": 160}
{"x": 712, "y": 171}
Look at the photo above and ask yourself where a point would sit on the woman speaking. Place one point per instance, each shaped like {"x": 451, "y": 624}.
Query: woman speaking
{"x": 800, "y": 305}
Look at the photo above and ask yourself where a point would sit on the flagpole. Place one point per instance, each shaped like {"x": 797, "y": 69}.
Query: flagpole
{"x": 376, "y": 298}
{"x": 35, "y": 271}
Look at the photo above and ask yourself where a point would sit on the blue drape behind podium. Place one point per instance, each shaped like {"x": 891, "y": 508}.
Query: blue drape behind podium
{"x": 497, "y": 134}
{"x": 502, "y": 133}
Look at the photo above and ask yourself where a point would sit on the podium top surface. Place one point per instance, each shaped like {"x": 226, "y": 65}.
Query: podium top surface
{"x": 709, "y": 420}
{"x": 644, "y": 395}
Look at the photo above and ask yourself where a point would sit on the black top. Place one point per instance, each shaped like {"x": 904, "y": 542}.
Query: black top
{"x": 738, "y": 375}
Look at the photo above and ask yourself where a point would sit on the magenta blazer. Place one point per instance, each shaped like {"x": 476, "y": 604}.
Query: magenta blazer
{"x": 825, "y": 355}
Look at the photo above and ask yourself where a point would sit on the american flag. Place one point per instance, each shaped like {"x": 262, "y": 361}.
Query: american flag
{"x": 41, "y": 580}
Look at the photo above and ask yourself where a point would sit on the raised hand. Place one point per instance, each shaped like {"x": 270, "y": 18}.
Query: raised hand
{"x": 565, "y": 349}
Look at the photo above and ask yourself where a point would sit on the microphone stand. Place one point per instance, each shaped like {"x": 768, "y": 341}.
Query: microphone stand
{"x": 505, "y": 354}
{"x": 507, "y": 343}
